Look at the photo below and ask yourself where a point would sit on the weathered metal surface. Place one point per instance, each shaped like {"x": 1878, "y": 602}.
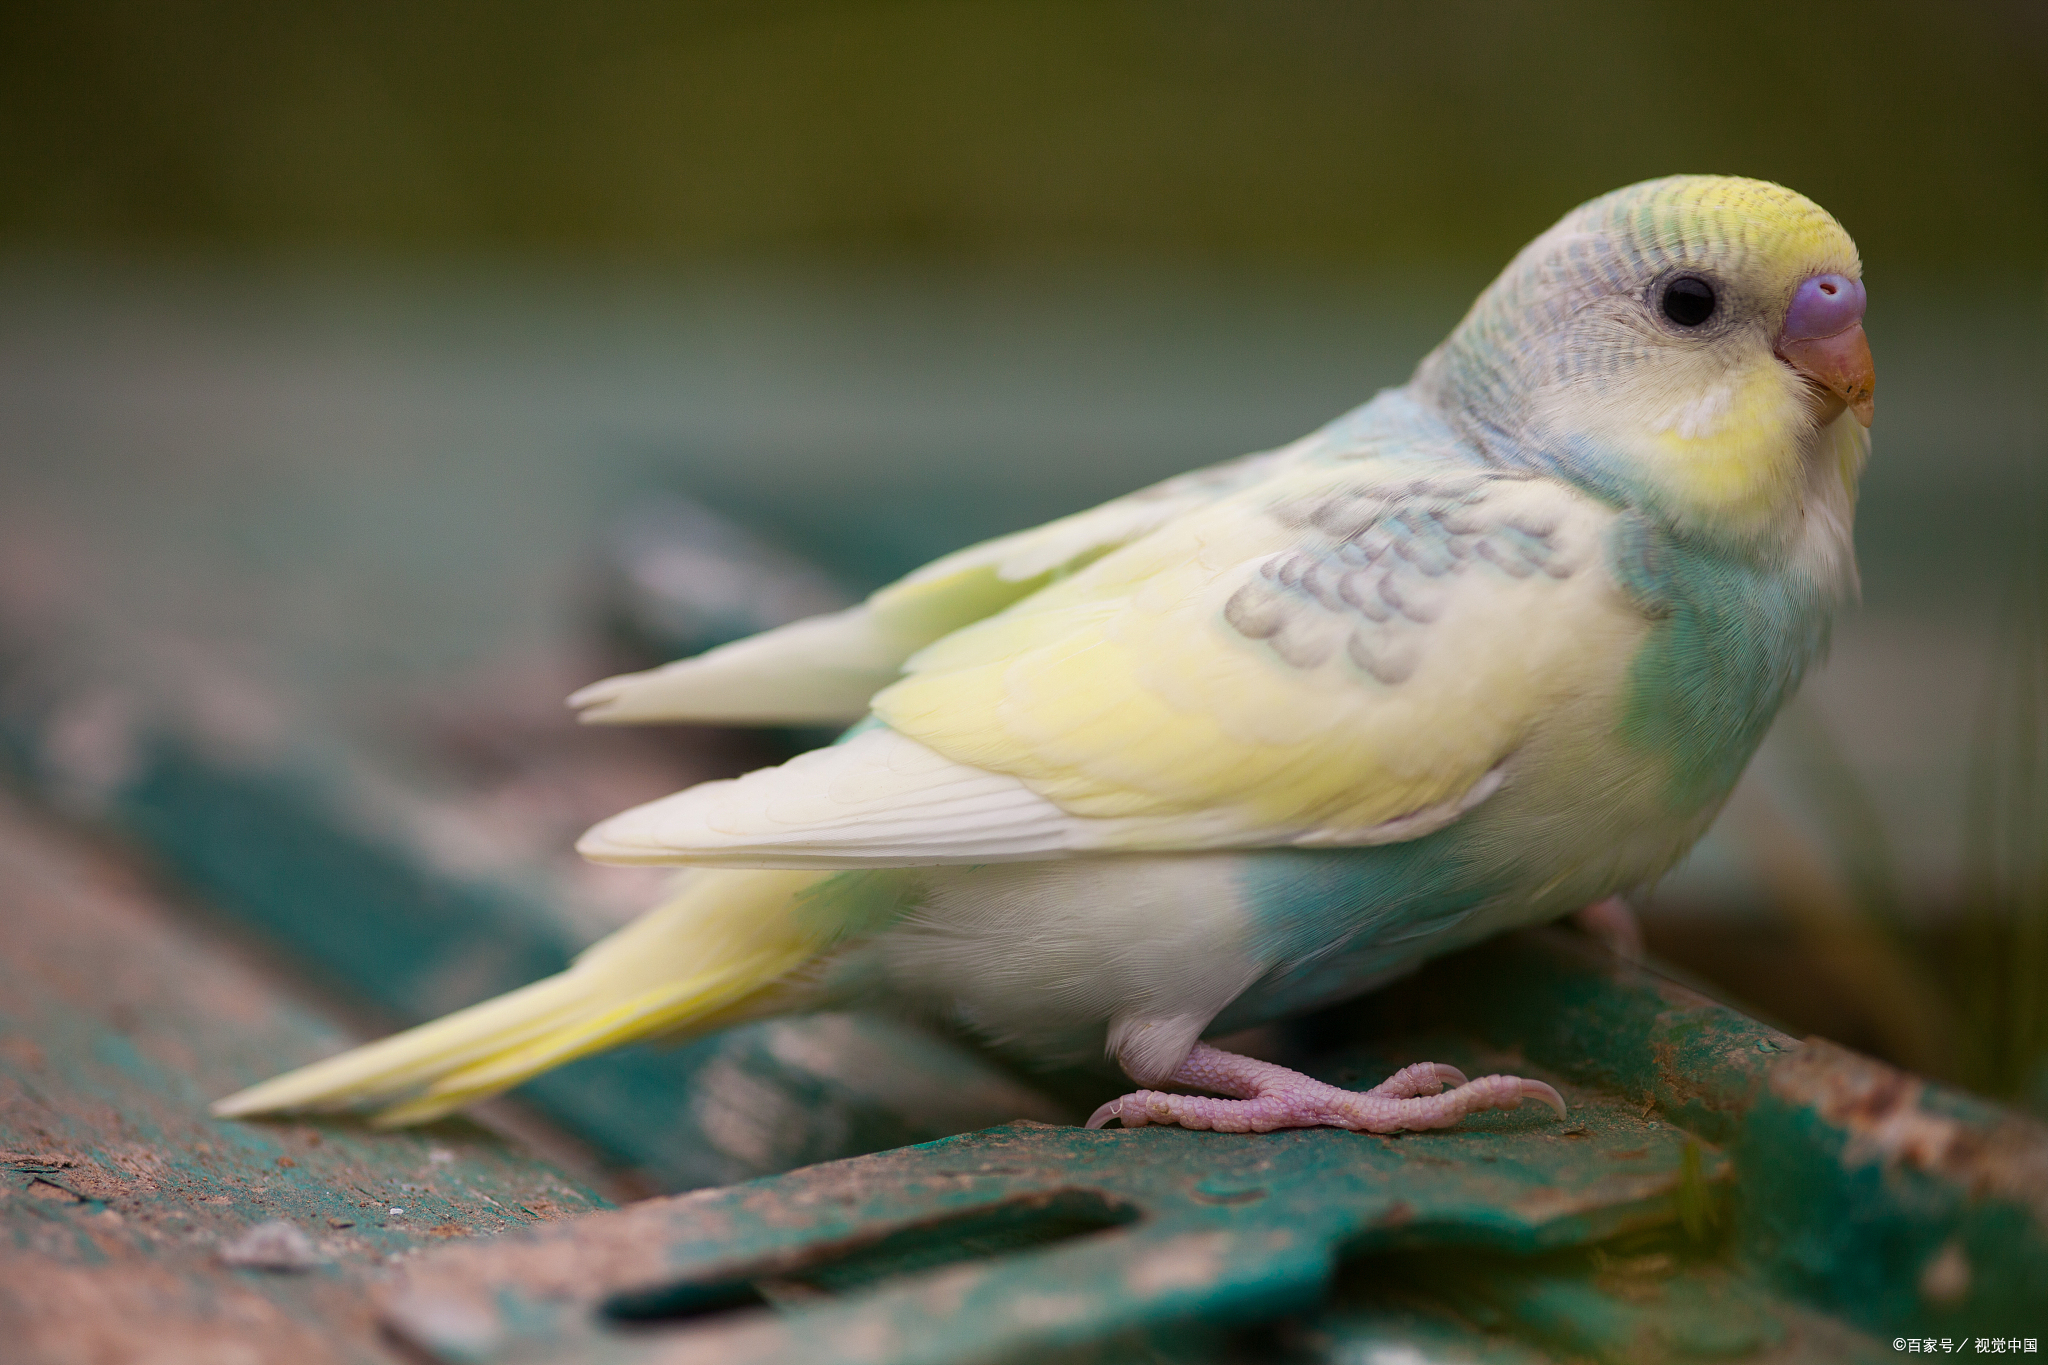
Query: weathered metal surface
{"x": 1857, "y": 1186}
{"x": 1152, "y": 1225}
{"x": 1912, "y": 1207}
{"x": 1923, "y": 1207}
{"x": 118, "y": 1193}
{"x": 1636, "y": 1301}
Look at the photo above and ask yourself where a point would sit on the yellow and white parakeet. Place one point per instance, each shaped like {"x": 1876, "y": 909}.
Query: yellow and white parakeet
{"x": 1489, "y": 649}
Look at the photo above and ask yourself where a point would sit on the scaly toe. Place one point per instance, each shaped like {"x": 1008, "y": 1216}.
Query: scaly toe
{"x": 1422, "y": 1078}
{"x": 1264, "y": 1097}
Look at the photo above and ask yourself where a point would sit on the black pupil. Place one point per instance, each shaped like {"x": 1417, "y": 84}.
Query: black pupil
{"x": 1688, "y": 302}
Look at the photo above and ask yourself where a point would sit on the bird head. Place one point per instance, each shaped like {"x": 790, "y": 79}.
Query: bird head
{"x": 1693, "y": 345}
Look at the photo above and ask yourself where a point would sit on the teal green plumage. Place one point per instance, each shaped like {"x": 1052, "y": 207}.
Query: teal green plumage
{"x": 1488, "y": 649}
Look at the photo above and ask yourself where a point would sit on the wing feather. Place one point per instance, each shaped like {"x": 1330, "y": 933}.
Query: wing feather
{"x": 821, "y": 669}
{"x": 1305, "y": 661}
{"x": 826, "y": 668}
{"x": 878, "y": 799}
{"x": 1335, "y": 657}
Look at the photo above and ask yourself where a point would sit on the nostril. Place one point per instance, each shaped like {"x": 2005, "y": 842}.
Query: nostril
{"x": 1823, "y": 306}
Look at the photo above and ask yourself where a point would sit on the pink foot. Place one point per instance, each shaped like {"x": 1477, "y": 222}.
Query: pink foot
{"x": 1270, "y": 1097}
{"x": 1614, "y": 924}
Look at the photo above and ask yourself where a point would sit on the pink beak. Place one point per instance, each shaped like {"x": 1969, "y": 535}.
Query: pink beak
{"x": 1823, "y": 340}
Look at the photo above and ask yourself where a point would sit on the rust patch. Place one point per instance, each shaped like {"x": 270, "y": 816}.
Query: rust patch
{"x": 143, "y": 1311}
{"x": 25, "y": 1053}
{"x": 1677, "y": 1079}
{"x": 36, "y": 1161}
{"x": 568, "y": 1261}
{"x": 44, "y": 1188}
{"x": 113, "y": 1243}
{"x": 1878, "y": 1108}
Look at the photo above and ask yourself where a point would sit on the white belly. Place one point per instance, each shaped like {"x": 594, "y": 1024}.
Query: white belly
{"x": 1051, "y": 956}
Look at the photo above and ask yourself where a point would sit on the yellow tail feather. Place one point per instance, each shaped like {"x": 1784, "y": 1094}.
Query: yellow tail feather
{"x": 706, "y": 958}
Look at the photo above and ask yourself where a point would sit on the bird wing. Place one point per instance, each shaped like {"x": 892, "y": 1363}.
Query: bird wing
{"x": 1335, "y": 656}
{"x": 826, "y": 668}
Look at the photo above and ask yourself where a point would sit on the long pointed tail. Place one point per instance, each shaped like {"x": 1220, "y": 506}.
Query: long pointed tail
{"x": 708, "y": 957}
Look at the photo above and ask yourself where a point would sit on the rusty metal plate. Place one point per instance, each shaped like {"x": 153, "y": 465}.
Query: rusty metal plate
{"x": 119, "y": 1195}
{"x": 1722, "y": 1191}
{"x": 1029, "y": 1237}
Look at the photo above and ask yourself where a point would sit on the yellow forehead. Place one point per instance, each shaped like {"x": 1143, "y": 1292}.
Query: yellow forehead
{"x": 1743, "y": 225}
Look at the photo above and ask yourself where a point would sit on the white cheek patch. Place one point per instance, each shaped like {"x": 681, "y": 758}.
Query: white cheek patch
{"x": 1699, "y": 416}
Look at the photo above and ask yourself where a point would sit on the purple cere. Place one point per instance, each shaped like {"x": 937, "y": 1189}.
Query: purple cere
{"x": 1824, "y": 305}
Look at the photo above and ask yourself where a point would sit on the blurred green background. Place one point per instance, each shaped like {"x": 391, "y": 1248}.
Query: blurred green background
{"x": 333, "y": 337}
{"x": 1326, "y": 133}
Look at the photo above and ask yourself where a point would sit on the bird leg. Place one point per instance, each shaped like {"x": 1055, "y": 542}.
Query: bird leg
{"x": 1614, "y": 924}
{"x": 1267, "y": 1097}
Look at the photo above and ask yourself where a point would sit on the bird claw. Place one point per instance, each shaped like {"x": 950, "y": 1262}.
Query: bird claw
{"x": 1269, "y": 1097}
{"x": 1104, "y": 1113}
{"x": 1537, "y": 1090}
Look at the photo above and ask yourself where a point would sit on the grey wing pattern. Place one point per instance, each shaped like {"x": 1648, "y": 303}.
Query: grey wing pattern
{"x": 1376, "y": 564}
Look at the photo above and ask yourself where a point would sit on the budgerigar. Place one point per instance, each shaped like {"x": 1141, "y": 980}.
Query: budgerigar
{"x": 1489, "y": 649}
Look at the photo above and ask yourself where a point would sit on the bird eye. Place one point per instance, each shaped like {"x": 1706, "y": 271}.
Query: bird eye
{"x": 1688, "y": 300}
